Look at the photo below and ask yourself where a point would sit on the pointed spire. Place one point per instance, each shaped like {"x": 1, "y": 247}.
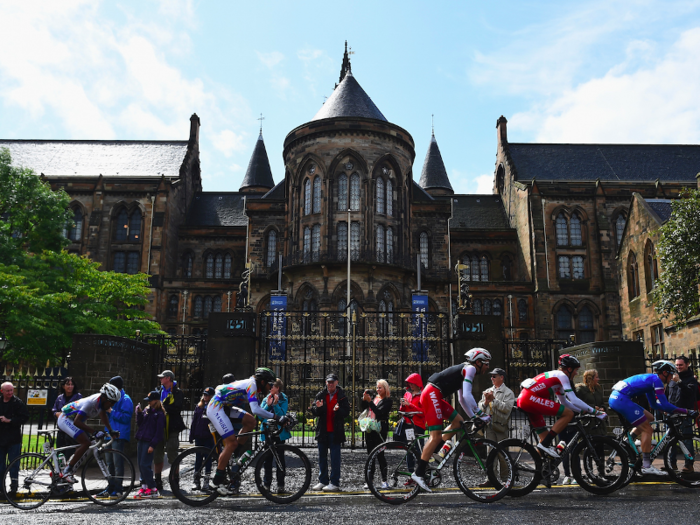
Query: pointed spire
{"x": 434, "y": 175}
{"x": 259, "y": 175}
{"x": 346, "y": 67}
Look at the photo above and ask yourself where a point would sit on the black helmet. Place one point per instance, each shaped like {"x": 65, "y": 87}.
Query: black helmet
{"x": 228, "y": 378}
{"x": 567, "y": 360}
{"x": 265, "y": 374}
{"x": 664, "y": 366}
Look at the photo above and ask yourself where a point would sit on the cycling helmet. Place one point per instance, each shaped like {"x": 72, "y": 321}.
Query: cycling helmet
{"x": 228, "y": 378}
{"x": 477, "y": 354}
{"x": 265, "y": 374}
{"x": 112, "y": 392}
{"x": 664, "y": 366}
{"x": 567, "y": 360}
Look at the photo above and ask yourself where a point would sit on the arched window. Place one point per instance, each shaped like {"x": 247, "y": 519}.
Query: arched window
{"x": 424, "y": 249}
{"x": 506, "y": 266}
{"x": 271, "y": 248}
{"x": 564, "y": 323}
{"x": 380, "y": 243}
{"x": 342, "y": 241}
{"x": 522, "y": 309}
{"x": 487, "y": 307}
{"x": 380, "y": 195}
{"x": 121, "y": 226}
{"x": 476, "y": 306}
{"x": 209, "y": 267}
{"x": 216, "y": 304}
{"x": 227, "y": 266}
{"x": 390, "y": 245}
{"x": 355, "y": 192}
{"x": 619, "y": 228}
{"x": 355, "y": 241}
{"x": 586, "y": 328}
{"x": 207, "y": 306}
{"x": 562, "y": 233}
{"x": 317, "y": 195}
{"x": 651, "y": 269}
{"x": 389, "y": 198}
{"x": 132, "y": 263}
{"x": 343, "y": 192}
{"x": 135, "y": 226}
{"x": 218, "y": 266}
{"x": 307, "y": 197}
{"x": 632, "y": 276}
{"x": 475, "y": 268}
{"x": 484, "y": 266}
{"x": 172, "y": 306}
{"x": 564, "y": 268}
{"x": 577, "y": 266}
{"x": 316, "y": 242}
{"x": 466, "y": 273}
{"x": 76, "y": 231}
{"x": 575, "y": 230}
{"x": 198, "y": 307}
{"x": 187, "y": 266}
{"x": 307, "y": 244}
{"x": 119, "y": 262}
{"x": 497, "y": 307}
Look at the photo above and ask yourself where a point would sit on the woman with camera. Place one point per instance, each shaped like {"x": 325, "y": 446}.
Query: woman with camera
{"x": 379, "y": 404}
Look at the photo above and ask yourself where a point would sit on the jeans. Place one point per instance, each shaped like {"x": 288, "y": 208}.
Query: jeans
{"x": 323, "y": 448}
{"x": 8, "y": 454}
{"x": 686, "y": 430}
{"x": 267, "y": 479}
{"x": 203, "y": 442}
{"x": 115, "y": 464}
{"x": 145, "y": 462}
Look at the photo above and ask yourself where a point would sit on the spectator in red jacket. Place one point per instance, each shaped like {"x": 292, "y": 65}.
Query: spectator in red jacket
{"x": 410, "y": 402}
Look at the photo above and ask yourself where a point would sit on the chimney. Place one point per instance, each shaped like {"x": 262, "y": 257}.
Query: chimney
{"x": 502, "y": 130}
{"x": 194, "y": 129}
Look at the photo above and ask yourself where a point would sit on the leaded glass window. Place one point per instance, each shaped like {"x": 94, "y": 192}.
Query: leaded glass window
{"x": 355, "y": 241}
{"x": 207, "y": 306}
{"x": 355, "y": 192}
{"x": 218, "y": 266}
{"x": 564, "y": 270}
{"x": 564, "y": 323}
{"x": 484, "y": 266}
{"x": 227, "y": 266}
{"x": 343, "y": 192}
{"x": 575, "y": 229}
{"x": 477, "y": 307}
{"x": 209, "y": 267}
{"x": 317, "y": 195}
{"x": 475, "y": 268}
{"x": 390, "y": 245}
{"x": 577, "y": 264}
{"x": 172, "y": 306}
{"x": 620, "y": 227}
{"x": 380, "y": 243}
{"x": 132, "y": 263}
{"x": 135, "y": 226}
{"x": 562, "y": 231}
{"x": 424, "y": 249}
{"x": 586, "y": 329}
{"x": 487, "y": 307}
{"x": 307, "y": 197}
{"x": 216, "y": 304}
{"x": 76, "y": 230}
{"x": 119, "y": 263}
{"x": 497, "y": 307}
{"x": 522, "y": 309}
{"x": 466, "y": 273}
{"x": 121, "y": 227}
{"x": 198, "y": 306}
{"x": 187, "y": 267}
{"x": 342, "y": 241}
{"x": 271, "y": 248}
{"x": 307, "y": 244}
{"x": 380, "y": 195}
{"x": 389, "y": 198}
{"x": 316, "y": 242}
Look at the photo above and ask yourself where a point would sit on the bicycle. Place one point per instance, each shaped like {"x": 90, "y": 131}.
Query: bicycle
{"x": 185, "y": 479}
{"x": 671, "y": 441}
{"x": 39, "y": 475}
{"x": 598, "y": 463}
{"x": 475, "y": 462}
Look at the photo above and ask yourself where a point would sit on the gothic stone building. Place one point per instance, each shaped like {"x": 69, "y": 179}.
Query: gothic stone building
{"x": 540, "y": 252}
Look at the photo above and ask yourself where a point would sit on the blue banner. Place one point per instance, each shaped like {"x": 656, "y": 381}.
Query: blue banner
{"x": 278, "y": 328}
{"x": 419, "y": 305}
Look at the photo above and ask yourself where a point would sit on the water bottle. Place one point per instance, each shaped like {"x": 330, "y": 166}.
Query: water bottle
{"x": 61, "y": 462}
{"x": 561, "y": 447}
{"x": 244, "y": 458}
{"x": 445, "y": 449}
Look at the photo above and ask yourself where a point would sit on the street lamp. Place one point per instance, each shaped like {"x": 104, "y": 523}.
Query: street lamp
{"x": 3, "y": 342}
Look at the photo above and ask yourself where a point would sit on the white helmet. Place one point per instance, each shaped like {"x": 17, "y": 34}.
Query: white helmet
{"x": 477, "y": 354}
{"x": 112, "y": 392}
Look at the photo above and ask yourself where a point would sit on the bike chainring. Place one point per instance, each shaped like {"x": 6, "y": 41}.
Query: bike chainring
{"x": 550, "y": 475}
{"x": 435, "y": 479}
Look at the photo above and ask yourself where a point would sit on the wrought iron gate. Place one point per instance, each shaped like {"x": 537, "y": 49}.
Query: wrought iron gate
{"x": 528, "y": 358}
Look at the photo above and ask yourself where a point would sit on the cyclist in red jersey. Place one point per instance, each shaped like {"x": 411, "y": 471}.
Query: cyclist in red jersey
{"x": 535, "y": 401}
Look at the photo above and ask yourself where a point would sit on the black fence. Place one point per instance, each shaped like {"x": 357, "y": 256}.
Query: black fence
{"x": 528, "y": 358}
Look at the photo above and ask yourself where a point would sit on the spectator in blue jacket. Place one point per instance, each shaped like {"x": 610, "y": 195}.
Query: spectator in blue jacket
{"x": 277, "y": 403}
{"x": 151, "y": 432}
{"x": 71, "y": 392}
{"x": 201, "y": 436}
{"x": 120, "y": 420}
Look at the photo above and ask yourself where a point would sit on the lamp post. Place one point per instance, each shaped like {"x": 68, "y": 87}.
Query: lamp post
{"x": 3, "y": 341}
{"x": 184, "y": 310}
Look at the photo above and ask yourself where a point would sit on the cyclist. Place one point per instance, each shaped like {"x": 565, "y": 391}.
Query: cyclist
{"x": 457, "y": 379}
{"x": 236, "y": 395}
{"x": 534, "y": 400}
{"x": 73, "y": 419}
{"x": 651, "y": 385}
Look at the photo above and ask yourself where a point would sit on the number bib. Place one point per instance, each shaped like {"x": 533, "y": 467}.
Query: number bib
{"x": 528, "y": 383}
{"x": 410, "y": 434}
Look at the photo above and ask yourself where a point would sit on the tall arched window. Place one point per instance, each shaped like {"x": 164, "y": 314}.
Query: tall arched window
{"x": 355, "y": 192}
{"x": 484, "y": 267}
{"x": 209, "y": 267}
{"x": 132, "y": 263}
{"x": 317, "y": 195}
{"x": 424, "y": 249}
{"x": 216, "y": 304}
{"x": 476, "y": 306}
{"x": 121, "y": 226}
{"x": 380, "y": 195}
{"x": 355, "y": 241}
{"x": 75, "y": 233}
{"x": 380, "y": 243}
{"x": 343, "y": 192}
{"x": 172, "y": 306}
{"x": 522, "y": 309}
{"x": 506, "y": 267}
{"x": 586, "y": 328}
{"x": 135, "y": 225}
{"x": 651, "y": 269}
{"x": 575, "y": 230}
{"x": 307, "y": 244}
{"x": 562, "y": 231}
{"x": 619, "y": 228}
{"x": 218, "y": 266}
{"x": 187, "y": 266}
{"x": 390, "y": 245}
{"x": 307, "y": 197}
{"x": 271, "y": 248}
{"x": 207, "y": 306}
{"x": 466, "y": 272}
{"x": 497, "y": 307}
{"x": 342, "y": 241}
{"x": 564, "y": 321}
{"x": 389, "y": 198}
{"x": 198, "y": 307}
{"x": 487, "y": 307}
{"x": 227, "y": 266}
{"x": 577, "y": 266}
{"x": 316, "y": 242}
{"x": 119, "y": 262}
{"x": 632, "y": 276}
{"x": 475, "y": 268}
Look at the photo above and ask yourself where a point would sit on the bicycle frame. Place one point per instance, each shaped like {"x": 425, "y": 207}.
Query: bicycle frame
{"x": 671, "y": 432}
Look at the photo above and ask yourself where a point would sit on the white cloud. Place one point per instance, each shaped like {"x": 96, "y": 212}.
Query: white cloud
{"x": 317, "y": 65}
{"x": 270, "y": 60}
{"x": 465, "y": 184}
{"x": 484, "y": 183}
{"x": 228, "y": 142}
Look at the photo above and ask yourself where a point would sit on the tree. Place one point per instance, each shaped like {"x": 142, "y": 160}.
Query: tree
{"x": 676, "y": 293}
{"x": 47, "y": 294}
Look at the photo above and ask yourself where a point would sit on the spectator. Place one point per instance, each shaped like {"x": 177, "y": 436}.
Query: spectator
{"x": 410, "y": 402}
{"x": 379, "y": 404}
{"x": 120, "y": 420}
{"x": 151, "y": 422}
{"x": 201, "y": 436}
{"x": 591, "y": 393}
{"x": 683, "y": 392}
{"x": 277, "y": 403}
{"x": 498, "y": 402}
{"x": 331, "y": 406}
{"x": 172, "y": 400}
{"x": 13, "y": 414}
{"x": 71, "y": 392}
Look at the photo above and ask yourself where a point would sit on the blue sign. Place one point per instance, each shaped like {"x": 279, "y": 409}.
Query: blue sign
{"x": 419, "y": 305}
{"x": 278, "y": 328}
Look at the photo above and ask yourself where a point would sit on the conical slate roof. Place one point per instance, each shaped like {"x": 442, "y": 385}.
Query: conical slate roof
{"x": 259, "y": 172}
{"x": 434, "y": 174}
{"x": 349, "y": 100}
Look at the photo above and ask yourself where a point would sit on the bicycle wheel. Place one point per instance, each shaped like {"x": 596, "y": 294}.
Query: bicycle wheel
{"x": 34, "y": 483}
{"x": 187, "y": 482}
{"x": 477, "y": 464}
{"x": 289, "y": 467}
{"x": 95, "y": 482}
{"x": 527, "y": 466}
{"x": 675, "y": 456}
{"x": 601, "y": 470}
{"x": 634, "y": 463}
{"x": 400, "y": 462}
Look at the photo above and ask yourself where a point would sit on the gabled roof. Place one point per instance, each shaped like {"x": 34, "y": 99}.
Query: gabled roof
{"x": 349, "y": 100}
{"x": 217, "y": 209}
{"x": 661, "y": 207}
{"x": 258, "y": 172}
{"x": 275, "y": 193}
{"x": 419, "y": 194}
{"x": 611, "y": 162}
{"x": 99, "y": 157}
{"x": 434, "y": 174}
{"x": 479, "y": 212}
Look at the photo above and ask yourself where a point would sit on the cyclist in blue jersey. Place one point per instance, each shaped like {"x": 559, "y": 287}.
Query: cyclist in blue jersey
{"x": 651, "y": 385}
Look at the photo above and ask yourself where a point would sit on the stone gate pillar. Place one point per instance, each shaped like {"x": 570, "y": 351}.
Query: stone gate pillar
{"x": 230, "y": 346}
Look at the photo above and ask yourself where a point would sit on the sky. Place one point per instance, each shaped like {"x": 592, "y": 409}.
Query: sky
{"x": 588, "y": 71}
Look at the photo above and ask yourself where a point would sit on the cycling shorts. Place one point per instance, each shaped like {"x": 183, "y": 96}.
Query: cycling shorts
{"x": 537, "y": 407}
{"x": 222, "y": 423}
{"x": 435, "y": 408}
{"x": 627, "y": 408}
{"x": 66, "y": 425}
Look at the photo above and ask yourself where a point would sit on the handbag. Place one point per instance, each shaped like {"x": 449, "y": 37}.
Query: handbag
{"x": 368, "y": 422}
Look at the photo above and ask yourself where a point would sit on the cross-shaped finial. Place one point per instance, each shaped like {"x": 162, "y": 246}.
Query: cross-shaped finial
{"x": 261, "y": 119}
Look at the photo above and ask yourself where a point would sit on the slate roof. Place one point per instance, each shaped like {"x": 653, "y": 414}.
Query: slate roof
{"x": 662, "y": 208}
{"x": 479, "y": 212}
{"x": 419, "y": 194}
{"x": 258, "y": 172}
{"x": 217, "y": 209}
{"x": 434, "y": 174}
{"x": 349, "y": 100}
{"x": 612, "y": 162}
{"x": 275, "y": 193}
{"x": 95, "y": 157}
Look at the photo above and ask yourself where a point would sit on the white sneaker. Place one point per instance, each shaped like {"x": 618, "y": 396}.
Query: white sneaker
{"x": 365, "y": 486}
{"x": 222, "y": 489}
{"x": 550, "y": 451}
{"x": 331, "y": 488}
{"x": 318, "y": 486}
{"x": 384, "y": 485}
{"x": 420, "y": 481}
{"x": 653, "y": 471}
{"x": 573, "y": 481}
{"x": 567, "y": 481}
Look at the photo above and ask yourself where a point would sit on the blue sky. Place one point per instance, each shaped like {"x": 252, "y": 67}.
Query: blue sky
{"x": 588, "y": 71}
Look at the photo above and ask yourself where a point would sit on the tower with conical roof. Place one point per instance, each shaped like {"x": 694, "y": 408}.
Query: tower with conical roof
{"x": 258, "y": 176}
{"x": 433, "y": 178}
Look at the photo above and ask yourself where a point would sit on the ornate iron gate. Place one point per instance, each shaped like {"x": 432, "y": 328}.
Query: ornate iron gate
{"x": 528, "y": 358}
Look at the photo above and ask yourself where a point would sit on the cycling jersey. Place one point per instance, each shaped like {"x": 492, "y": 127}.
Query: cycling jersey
{"x": 238, "y": 394}
{"x": 458, "y": 378}
{"x": 647, "y": 384}
{"x": 87, "y": 406}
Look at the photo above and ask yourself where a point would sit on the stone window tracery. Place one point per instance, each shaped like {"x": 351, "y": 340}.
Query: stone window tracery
{"x": 355, "y": 241}
{"x": 316, "y": 242}
{"x": 389, "y": 198}
{"x": 317, "y": 195}
{"x": 424, "y": 249}
{"x": 355, "y": 192}
{"x": 271, "y": 248}
{"x": 307, "y": 197}
{"x": 380, "y": 196}
{"x": 343, "y": 192}
{"x": 380, "y": 243}
{"x": 342, "y": 241}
